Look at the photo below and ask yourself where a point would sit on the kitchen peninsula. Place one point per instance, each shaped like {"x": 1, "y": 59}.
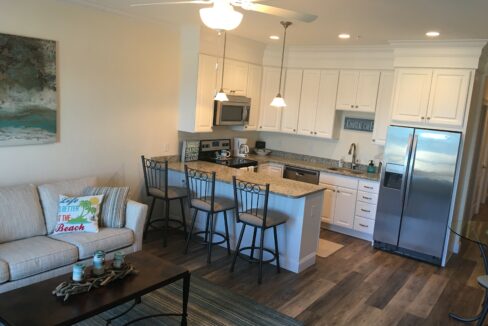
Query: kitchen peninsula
{"x": 302, "y": 202}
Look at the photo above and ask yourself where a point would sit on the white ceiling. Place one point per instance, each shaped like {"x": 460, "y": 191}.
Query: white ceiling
{"x": 370, "y": 22}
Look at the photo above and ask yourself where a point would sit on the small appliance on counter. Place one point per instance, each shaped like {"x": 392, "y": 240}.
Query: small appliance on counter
{"x": 260, "y": 144}
{"x": 215, "y": 151}
{"x": 260, "y": 148}
{"x": 241, "y": 149}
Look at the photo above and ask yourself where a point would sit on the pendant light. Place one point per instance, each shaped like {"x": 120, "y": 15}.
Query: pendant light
{"x": 279, "y": 101}
{"x": 221, "y": 96}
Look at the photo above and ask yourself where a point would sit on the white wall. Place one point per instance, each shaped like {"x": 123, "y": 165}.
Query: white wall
{"x": 116, "y": 81}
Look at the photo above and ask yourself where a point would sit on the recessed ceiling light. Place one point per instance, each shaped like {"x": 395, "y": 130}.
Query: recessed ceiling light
{"x": 344, "y": 36}
{"x": 432, "y": 34}
{"x": 274, "y": 37}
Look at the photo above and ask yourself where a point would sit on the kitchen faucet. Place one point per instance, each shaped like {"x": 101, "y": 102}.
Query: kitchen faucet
{"x": 352, "y": 150}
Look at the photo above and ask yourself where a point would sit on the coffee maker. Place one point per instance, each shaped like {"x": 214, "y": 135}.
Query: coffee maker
{"x": 240, "y": 147}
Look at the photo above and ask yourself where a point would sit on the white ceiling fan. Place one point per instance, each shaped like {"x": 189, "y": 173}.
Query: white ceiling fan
{"x": 222, "y": 16}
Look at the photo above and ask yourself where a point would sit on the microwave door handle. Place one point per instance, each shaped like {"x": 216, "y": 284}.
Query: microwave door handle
{"x": 245, "y": 114}
{"x": 410, "y": 171}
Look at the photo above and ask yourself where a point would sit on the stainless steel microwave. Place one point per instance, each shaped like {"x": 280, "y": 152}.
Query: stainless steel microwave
{"x": 234, "y": 112}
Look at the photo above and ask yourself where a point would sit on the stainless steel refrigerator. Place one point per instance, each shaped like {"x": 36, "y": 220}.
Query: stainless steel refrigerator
{"x": 416, "y": 190}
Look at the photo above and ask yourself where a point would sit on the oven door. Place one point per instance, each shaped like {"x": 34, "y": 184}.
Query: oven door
{"x": 231, "y": 113}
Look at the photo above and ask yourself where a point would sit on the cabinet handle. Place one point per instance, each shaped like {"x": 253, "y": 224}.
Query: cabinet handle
{"x": 374, "y": 140}
{"x": 357, "y": 106}
{"x": 428, "y": 118}
{"x": 422, "y": 118}
{"x": 352, "y": 106}
{"x": 363, "y": 225}
{"x": 311, "y": 132}
{"x": 261, "y": 127}
{"x": 314, "y": 132}
{"x": 294, "y": 129}
{"x": 368, "y": 187}
{"x": 338, "y": 192}
{"x": 245, "y": 127}
{"x": 365, "y": 210}
{"x": 368, "y": 198}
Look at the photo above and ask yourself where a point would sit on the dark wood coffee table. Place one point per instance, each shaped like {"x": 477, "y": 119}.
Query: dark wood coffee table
{"x": 35, "y": 305}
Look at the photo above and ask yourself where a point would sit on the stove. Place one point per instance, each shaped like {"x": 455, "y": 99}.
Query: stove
{"x": 210, "y": 150}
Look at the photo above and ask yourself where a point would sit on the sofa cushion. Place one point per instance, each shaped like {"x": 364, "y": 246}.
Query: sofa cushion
{"x": 4, "y": 274}
{"x": 78, "y": 214}
{"x": 20, "y": 213}
{"x": 35, "y": 255}
{"x": 114, "y": 204}
{"x": 108, "y": 239}
{"x": 50, "y": 196}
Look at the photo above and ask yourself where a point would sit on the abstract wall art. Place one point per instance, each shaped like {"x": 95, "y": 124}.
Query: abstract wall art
{"x": 28, "y": 97}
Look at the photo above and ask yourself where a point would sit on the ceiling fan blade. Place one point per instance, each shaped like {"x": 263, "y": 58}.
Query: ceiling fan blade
{"x": 285, "y": 13}
{"x": 195, "y": 2}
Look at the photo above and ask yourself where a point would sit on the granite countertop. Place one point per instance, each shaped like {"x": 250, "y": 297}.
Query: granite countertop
{"x": 278, "y": 186}
{"x": 323, "y": 167}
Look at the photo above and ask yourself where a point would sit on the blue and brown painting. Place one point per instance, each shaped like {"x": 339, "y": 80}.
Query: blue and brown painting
{"x": 28, "y": 99}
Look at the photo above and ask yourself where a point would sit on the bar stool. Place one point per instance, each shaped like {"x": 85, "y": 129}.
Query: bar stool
{"x": 251, "y": 202}
{"x": 201, "y": 192}
{"x": 156, "y": 180}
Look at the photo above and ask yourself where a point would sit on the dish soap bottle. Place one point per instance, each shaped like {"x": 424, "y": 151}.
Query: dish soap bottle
{"x": 371, "y": 167}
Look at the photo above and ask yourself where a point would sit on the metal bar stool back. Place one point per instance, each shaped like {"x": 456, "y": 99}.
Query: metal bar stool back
{"x": 251, "y": 202}
{"x": 156, "y": 184}
{"x": 201, "y": 194}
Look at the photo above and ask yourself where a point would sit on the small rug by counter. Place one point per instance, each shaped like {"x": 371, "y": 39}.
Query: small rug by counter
{"x": 208, "y": 305}
{"x": 327, "y": 248}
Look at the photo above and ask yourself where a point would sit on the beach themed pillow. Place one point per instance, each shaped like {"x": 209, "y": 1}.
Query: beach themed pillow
{"x": 78, "y": 214}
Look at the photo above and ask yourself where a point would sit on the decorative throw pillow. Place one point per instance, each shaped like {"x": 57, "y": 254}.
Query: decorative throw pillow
{"x": 113, "y": 206}
{"x": 78, "y": 214}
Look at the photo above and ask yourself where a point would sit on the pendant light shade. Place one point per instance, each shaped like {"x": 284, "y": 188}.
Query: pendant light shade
{"x": 221, "y": 16}
{"x": 221, "y": 96}
{"x": 279, "y": 101}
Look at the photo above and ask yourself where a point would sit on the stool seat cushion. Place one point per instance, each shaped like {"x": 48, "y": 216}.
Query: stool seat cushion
{"x": 220, "y": 204}
{"x": 483, "y": 281}
{"x": 173, "y": 192}
{"x": 256, "y": 218}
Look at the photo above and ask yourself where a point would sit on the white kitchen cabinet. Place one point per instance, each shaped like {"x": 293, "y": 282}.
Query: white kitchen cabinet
{"x": 383, "y": 108}
{"x": 317, "y": 104}
{"x": 269, "y": 116}
{"x": 345, "y": 207}
{"x": 434, "y": 97}
{"x": 206, "y": 89}
{"x": 448, "y": 96}
{"x": 364, "y": 225}
{"x": 329, "y": 203}
{"x": 271, "y": 169}
{"x": 254, "y": 77}
{"x": 357, "y": 90}
{"x": 291, "y": 94}
{"x": 235, "y": 77}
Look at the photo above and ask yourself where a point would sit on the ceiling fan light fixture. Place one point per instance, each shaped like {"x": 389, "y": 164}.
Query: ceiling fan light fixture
{"x": 221, "y": 16}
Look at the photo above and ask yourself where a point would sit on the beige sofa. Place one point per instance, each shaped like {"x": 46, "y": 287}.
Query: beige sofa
{"x": 30, "y": 253}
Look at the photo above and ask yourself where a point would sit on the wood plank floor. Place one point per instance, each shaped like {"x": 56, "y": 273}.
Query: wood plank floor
{"x": 357, "y": 285}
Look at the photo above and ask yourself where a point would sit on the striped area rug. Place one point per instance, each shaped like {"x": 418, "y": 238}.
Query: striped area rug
{"x": 209, "y": 305}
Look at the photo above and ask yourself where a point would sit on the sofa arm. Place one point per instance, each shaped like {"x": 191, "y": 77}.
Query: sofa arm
{"x": 135, "y": 218}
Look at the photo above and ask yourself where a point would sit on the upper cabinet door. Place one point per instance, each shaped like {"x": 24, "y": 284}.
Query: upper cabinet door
{"x": 254, "y": 92}
{"x": 411, "y": 94}
{"x": 347, "y": 90}
{"x": 367, "y": 91}
{"x": 448, "y": 95}
{"x": 308, "y": 102}
{"x": 291, "y": 94}
{"x": 269, "y": 116}
{"x": 383, "y": 108}
{"x": 325, "y": 115}
{"x": 235, "y": 77}
{"x": 206, "y": 89}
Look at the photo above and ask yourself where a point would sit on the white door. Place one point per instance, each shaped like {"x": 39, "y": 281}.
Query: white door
{"x": 269, "y": 116}
{"x": 411, "y": 94}
{"x": 291, "y": 94}
{"x": 383, "y": 108}
{"x": 345, "y": 207}
{"x": 329, "y": 203}
{"x": 206, "y": 89}
{"x": 347, "y": 89}
{"x": 448, "y": 96}
{"x": 308, "y": 102}
{"x": 235, "y": 77}
{"x": 367, "y": 91}
{"x": 254, "y": 92}
{"x": 325, "y": 117}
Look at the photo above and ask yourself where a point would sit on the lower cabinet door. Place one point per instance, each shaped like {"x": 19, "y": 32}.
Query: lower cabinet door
{"x": 345, "y": 207}
{"x": 329, "y": 203}
{"x": 365, "y": 225}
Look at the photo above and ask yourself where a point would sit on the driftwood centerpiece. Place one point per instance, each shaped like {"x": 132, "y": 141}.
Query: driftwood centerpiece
{"x": 68, "y": 288}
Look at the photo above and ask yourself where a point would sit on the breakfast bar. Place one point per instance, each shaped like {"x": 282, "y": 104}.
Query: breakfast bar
{"x": 302, "y": 202}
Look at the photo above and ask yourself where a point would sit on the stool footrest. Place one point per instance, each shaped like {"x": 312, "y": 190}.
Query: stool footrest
{"x": 159, "y": 220}
{"x": 203, "y": 242}
{"x": 256, "y": 260}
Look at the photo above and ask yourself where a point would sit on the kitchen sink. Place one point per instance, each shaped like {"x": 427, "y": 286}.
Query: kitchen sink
{"x": 346, "y": 170}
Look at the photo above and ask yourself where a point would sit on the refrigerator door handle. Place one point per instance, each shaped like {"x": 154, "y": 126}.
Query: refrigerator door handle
{"x": 410, "y": 170}
{"x": 406, "y": 164}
